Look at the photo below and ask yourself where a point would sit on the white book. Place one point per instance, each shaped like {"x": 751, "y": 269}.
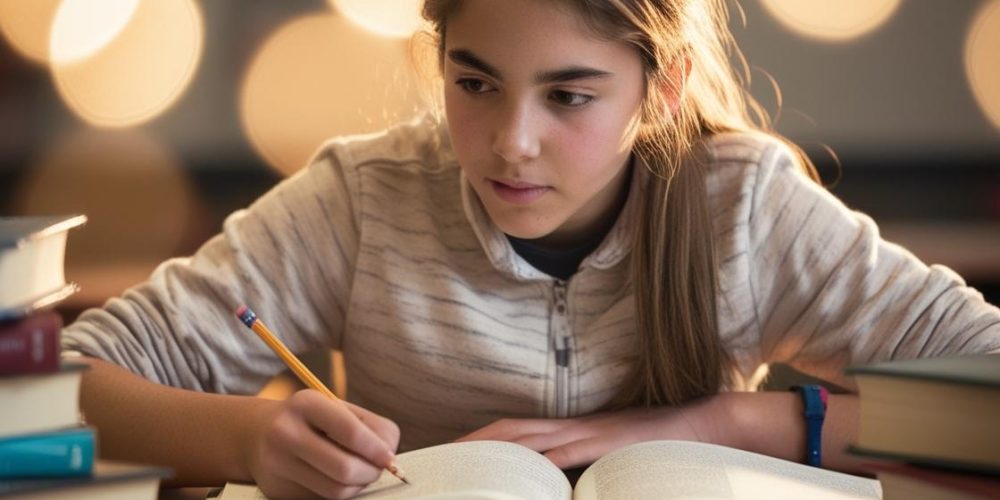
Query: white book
{"x": 32, "y": 255}
{"x": 41, "y": 402}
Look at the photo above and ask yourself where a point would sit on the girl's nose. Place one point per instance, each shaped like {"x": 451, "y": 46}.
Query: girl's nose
{"x": 516, "y": 137}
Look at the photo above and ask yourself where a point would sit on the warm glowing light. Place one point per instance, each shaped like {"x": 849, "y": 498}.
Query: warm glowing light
{"x": 280, "y": 387}
{"x": 839, "y": 20}
{"x": 317, "y": 77}
{"x": 80, "y": 29}
{"x": 137, "y": 198}
{"x": 397, "y": 18}
{"x": 26, "y": 24}
{"x": 135, "y": 75}
{"x": 338, "y": 374}
{"x": 982, "y": 66}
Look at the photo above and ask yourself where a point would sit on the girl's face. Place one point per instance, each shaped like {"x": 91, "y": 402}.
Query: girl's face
{"x": 542, "y": 115}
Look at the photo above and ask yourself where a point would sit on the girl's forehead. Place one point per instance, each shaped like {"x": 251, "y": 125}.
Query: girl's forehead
{"x": 520, "y": 31}
{"x": 549, "y": 20}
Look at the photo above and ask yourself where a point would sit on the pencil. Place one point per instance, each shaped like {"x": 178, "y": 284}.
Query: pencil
{"x": 251, "y": 321}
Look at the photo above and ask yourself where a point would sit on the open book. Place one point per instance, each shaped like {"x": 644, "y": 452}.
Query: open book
{"x": 494, "y": 470}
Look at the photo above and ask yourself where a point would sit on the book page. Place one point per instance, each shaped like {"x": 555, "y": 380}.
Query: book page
{"x": 237, "y": 491}
{"x": 476, "y": 469}
{"x": 687, "y": 470}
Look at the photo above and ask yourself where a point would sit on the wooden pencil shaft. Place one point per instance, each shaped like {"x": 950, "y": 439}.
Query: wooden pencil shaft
{"x": 250, "y": 319}
{"x": 300, "y": 370}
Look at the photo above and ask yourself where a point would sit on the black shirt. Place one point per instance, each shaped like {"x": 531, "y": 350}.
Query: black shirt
{"x": 561, "y": 263}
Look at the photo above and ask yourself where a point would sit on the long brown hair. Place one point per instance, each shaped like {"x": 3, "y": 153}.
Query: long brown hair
{"x": 673, "y": 262}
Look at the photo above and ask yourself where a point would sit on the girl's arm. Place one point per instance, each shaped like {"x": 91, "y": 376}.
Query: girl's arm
{"x": 828, "y": 292}
{"x": 203, "y": 437}
{"x": 289, "y": 256}
{"x": 769, "y": 423}
{"x": 772, "y": 423}
{"x": 307, "y": 445}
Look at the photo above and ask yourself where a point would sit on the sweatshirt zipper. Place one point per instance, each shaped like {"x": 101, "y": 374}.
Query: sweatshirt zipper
{"x": 562, "y": 343}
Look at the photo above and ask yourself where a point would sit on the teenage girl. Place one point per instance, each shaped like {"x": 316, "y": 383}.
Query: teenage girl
{"x": 594, "y": 245}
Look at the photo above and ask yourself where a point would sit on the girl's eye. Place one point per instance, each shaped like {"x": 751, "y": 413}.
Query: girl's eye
{"x": 474, "y": 85}
{"x": 570, "y": 99}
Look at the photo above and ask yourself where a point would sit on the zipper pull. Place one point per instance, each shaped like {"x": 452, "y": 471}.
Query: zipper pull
{"x": 561, "y": 339}
{"x": 562, "y": 355}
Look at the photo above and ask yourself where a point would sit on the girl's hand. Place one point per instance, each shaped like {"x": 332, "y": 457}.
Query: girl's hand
{"x": 574, "y": 442}
{"x": 310, "y": 445}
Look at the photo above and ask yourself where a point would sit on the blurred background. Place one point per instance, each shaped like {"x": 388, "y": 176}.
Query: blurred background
{"x": 156, "y": 118}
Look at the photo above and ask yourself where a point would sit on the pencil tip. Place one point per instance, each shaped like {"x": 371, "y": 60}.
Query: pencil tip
{"x": 396, "y": 471}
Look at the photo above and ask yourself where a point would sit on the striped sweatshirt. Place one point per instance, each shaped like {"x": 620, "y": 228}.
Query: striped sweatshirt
{"x": 380, "y": 248}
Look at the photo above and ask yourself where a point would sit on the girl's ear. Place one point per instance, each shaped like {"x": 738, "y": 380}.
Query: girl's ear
{"x": 673, "y": 87}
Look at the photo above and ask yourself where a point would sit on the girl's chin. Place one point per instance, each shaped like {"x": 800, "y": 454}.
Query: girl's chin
{"x": 524, "y": 229}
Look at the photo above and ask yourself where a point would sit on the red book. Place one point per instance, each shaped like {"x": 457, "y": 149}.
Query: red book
{"x": 908, "y": 482}
{"x": 30, "y": 344}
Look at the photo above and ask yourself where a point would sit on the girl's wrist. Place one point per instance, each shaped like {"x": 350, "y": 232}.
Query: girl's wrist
{"x": 260, "y": 412}
{"x": 769, "y": 423}
{"x": 716, "y": 419}
{"x": 726, "y": 419}
{"x": 742, "y": 419}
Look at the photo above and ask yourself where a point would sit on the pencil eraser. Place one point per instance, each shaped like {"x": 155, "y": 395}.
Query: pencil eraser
{"x": 246, "y": 316}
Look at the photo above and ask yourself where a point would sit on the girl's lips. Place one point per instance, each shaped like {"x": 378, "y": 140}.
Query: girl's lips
{"x": 518, "y": 193}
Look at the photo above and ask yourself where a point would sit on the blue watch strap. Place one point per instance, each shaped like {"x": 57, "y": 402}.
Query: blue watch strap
{"x": 814, "y": 399}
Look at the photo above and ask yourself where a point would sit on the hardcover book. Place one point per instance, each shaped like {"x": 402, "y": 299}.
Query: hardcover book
{"x": 911, "y": 482}
{"x": 32, "y": 254}
{"x": 109, "y": 481}
{"x": 41, "y": 402}
{"x": 934, "y": 411}
{"x": 31, "y": 344}
{"x": 68, "y": 452}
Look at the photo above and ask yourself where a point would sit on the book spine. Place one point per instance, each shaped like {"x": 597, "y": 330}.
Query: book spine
{"x": 30, "y": 345}
{"x": 54, "y": 454}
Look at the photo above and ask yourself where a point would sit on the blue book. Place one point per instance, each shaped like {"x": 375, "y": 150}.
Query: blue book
{"x": 62, "y": 453}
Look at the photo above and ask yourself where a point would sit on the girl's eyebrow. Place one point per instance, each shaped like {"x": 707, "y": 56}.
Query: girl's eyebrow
{"x": 466, "y": 58}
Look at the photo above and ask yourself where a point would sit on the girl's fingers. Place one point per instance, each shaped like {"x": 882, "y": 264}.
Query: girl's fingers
{"x": 511, "y": 429}
{"x": 317, "y": 483}
{"x": 549, "y": 440}
{"x": 385, "y": 428}
{"x": 335, "y": 463}
{"x": 297, "y": 479}
{"x": 335, "y": 419}
{"x": 582, "y": 452}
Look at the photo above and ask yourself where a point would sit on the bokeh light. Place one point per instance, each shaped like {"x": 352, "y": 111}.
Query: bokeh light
{"x": 834, "y": 21}
{"x": 320, "y": 76}
{"x": 138, "y": 74}
{"x": 27, "y": 25}
{"x": 982, "y": 60}
{"x": 138, "y": 200}
{"x": 80, "y": 29}
{"x": 395, "y": 18}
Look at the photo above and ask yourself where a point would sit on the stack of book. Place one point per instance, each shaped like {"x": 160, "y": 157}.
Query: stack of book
{"x": 45, "y": 449}
{"x": 935, "y": 425}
